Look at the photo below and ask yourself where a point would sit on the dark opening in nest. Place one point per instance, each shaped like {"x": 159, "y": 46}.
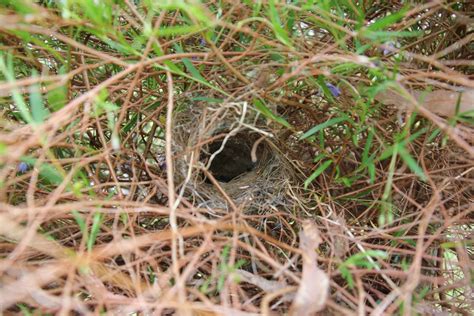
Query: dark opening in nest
{"x": 231, "y": 160}
{"x": 235, "y": 146}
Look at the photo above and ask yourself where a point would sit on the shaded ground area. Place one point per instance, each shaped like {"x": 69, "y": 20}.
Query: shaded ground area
{"x": 233, "y": 160}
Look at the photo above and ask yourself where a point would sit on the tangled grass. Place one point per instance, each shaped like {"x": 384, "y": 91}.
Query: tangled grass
{"x": 358, "y": 117}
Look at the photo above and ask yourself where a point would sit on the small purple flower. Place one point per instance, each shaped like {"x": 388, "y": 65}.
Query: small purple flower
{"x": 202, "y": 42}
{"x": 163, "y": 165}
{"x": 335, "y": 91}
{"x": 388, "y": 48}
{"x": 22, "y": 167}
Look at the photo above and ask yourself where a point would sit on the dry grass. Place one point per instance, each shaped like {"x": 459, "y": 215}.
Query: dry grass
{"x": 107, "y": 204}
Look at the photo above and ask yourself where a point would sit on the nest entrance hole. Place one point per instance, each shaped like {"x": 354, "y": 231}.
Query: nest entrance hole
{"x": 234, "y": 159}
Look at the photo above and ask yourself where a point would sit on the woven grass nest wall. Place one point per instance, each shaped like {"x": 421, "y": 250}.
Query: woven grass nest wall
{"x": 228, "y": 155}
{"x": 236, "y": 157}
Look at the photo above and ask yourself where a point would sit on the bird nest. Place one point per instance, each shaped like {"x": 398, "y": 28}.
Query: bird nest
{"x": 227, "y": 155}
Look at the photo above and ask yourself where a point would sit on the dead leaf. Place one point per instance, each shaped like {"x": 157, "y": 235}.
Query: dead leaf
{"x": 313, "y": 291}
{"x": 442, "y": 102}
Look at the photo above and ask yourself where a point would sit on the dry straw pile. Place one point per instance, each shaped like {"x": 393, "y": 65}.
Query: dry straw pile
{"x": 236, "y": 157}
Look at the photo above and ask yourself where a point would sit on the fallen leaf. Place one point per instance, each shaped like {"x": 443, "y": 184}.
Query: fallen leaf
{"x": 442, "y": 102}
{"x": 313, "y": 291}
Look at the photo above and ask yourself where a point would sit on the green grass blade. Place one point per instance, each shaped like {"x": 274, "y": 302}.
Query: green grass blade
{"x": 96, "y": 223}
{"x": 388, "y": 20}
{"x": 411, "y": 163}
{"x": 80, "y": 222}
{"x": 190, "y": 67}
{"x": 317, "y": 172}
{"x": 260, "y": 105}
{"x": 280, "y": 32}
{"x": 322, "y": 126}
{"x": 6, "y": 68}
{"x": 172, "y": 31}
{"x": 38, "y": 111}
